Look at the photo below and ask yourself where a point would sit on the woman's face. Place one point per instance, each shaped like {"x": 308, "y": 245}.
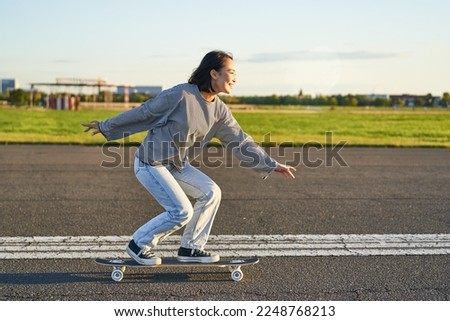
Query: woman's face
{"x": 223, "y": 80}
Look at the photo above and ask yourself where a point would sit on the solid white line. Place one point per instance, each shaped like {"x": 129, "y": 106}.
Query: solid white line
{"x": 78, "y": 247}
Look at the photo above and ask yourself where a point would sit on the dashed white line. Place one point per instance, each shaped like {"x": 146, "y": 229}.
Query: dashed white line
{"x": 79, "y": 247}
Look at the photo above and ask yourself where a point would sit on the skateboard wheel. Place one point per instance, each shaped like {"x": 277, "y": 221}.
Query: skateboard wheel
{"x": 117, "y": 275}
{"x": 237, "y": 275}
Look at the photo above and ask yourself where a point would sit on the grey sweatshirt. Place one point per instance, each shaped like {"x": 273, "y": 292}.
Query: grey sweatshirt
{"x": 178, "y": 121}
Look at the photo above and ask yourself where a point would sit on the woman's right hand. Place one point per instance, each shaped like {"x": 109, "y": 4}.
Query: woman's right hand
{"x": 92, "y": 125}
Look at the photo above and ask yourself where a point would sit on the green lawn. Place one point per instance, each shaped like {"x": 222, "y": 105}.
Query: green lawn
{"x": 357, "y": 126}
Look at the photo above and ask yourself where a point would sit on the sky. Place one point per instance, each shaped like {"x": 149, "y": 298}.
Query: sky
{"x": 321, "y": 47}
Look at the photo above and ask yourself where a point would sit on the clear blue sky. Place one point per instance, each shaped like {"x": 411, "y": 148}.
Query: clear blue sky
{"x": 280, "y": 46}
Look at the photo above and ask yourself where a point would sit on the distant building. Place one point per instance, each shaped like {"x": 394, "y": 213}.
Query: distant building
{"x": 9, "y": 84}
{"x": 146, "y": 90}
{"x": 415, "y": 100}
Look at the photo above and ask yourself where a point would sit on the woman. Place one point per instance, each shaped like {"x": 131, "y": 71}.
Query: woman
{"x": 177, "y": 120}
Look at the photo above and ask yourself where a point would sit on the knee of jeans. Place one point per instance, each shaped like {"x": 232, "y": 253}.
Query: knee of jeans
{"x": 215, "y": 193}
{"x": 183, "y": 214}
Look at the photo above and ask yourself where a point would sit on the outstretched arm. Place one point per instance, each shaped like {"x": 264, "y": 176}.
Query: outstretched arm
{"x": 243, "y": 146}
{"x": 142, "y": 118}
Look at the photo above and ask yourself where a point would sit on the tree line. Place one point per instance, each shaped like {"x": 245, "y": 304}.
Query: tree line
{"x": 343, "y": 100}
{"x": 21, "y": 97}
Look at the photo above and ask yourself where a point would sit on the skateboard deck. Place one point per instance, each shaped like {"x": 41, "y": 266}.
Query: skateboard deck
{"x": 234, "y": 265}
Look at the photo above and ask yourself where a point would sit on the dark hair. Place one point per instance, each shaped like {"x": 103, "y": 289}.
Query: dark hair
{"x": 212, "y": 60}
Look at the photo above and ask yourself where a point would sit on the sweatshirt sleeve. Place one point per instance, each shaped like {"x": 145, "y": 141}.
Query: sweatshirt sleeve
{"x": 244, "y": 147}
{"x": 150, "y": 114}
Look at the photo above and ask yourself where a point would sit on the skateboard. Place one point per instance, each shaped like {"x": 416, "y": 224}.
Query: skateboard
{"x": 234, "y": 265}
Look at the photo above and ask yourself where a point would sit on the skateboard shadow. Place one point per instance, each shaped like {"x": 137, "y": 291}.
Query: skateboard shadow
{"x": 175, "y": 277}
{"x": 105, "y": 277}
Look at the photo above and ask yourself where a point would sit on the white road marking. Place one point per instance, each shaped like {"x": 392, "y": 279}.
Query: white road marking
{"x": 79, "y": 247}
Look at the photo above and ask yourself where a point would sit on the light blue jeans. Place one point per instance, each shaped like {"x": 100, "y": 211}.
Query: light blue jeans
{"x": 171, "y": 188}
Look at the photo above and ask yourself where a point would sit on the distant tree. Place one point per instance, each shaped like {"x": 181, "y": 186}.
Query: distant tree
{"x": 340, "y": 100}
{"x": 322, "y": 101}
{"x": 139, "y": 98}
{"x": 381, "y": 102}
{"x": 332, "y": 101}
{"x": 230, "y": 99}
{"x": 37, "y": 98}
{"x": 118, "y": 98}
{"x": 429, "y": 100}
{"x": 364, "y": 101}
{"x": 350, "y": 100}
{"x": 445, "y": 101}
{"x": 274, "y": 100}
{"x": 18, "y": 97}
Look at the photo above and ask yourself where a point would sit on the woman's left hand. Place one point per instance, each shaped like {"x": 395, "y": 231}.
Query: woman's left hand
{"x": 93, "y": 125}
{"x": 286, "y": 170}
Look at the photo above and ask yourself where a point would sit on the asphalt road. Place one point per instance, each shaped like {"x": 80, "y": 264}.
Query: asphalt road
{"x": 82, "y": 191}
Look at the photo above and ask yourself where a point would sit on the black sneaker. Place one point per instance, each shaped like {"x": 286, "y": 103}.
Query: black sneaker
{"x": 196, "y": 256}
{"x": 144, "y": 257}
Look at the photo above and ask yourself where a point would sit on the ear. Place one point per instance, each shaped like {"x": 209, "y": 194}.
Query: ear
{"x": 214, "y": 74}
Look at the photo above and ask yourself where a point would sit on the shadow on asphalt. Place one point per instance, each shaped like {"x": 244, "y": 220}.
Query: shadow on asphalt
{"x": 48, "y": 278}
{"x": 105, "y": 277}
